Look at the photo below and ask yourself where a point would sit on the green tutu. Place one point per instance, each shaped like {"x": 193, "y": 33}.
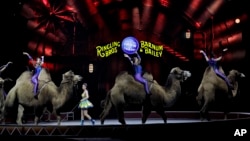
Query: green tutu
{"x": 85, "y": 104}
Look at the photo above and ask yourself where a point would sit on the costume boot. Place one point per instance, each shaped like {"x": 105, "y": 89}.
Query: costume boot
{"x": 82, "y": 122}
{"x": 93, "y": 121}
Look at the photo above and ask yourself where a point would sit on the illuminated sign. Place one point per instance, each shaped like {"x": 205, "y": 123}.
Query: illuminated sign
{"x": 130, "y": 45}
{"x": 152, "y": 49}
{"x": 108, "y": 49}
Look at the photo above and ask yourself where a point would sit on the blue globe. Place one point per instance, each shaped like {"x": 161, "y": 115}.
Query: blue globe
{"x": 130, "y": 45}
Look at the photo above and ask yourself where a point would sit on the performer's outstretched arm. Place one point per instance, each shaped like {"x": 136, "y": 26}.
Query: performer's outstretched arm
{"x": 138, "y": 56}
{"x": 4, "y": 67}
{"x": 218, "y": 59}
{"x": 42, "y": 60}
{"x": 25, "y": 53}
{"x": 129, "y": 58}
{"x": 30, "y": 58}
{"x": 204, "y": 54}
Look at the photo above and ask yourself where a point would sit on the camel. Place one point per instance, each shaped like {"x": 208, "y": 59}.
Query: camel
{"x": 127, "y": 90}
{"x": 2, "y": 97}
{"x": 213, "y": 89}
{"x": 2, "y": 92}
{"x": 49, "y": 94}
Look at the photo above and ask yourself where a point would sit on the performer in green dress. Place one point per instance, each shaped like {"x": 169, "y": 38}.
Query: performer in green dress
{"x": 85, "y": 104}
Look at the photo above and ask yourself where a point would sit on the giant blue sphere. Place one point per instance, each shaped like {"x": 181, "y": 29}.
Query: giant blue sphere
{"x": 130, "y": 45}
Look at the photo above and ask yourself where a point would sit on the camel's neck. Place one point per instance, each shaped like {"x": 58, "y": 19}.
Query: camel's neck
{"x": 2, "y": 94}
{"x": 172, "y": 90}
{"x": 231, "y": 78}
{"x": 172, "y": 83}
{"x": 65, "y": 91}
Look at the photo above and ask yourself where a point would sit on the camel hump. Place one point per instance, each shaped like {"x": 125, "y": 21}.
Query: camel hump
{"x": 148, "y": 76}
{"x": 44, "y": 75}
{"x": 25, "y": 75}
{"x": 123, "y": 75}
{"x": 209, "y": 70}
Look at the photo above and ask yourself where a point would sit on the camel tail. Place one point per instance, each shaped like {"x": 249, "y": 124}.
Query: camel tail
{"x": 10, "y": 98}
{"x": 199, "y": 97}
{"x": 106, "y": 100}
{"x": 106, "y": 104}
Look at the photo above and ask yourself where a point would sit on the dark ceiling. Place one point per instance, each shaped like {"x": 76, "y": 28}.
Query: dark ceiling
{"x": 76, "y": 27}
{"x": 68, "y": 31}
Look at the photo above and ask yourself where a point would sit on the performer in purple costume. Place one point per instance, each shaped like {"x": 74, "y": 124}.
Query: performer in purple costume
{"x": 213, "y": 63}
{"x": 138, "y": 70}
{"x": 38, "y": 67}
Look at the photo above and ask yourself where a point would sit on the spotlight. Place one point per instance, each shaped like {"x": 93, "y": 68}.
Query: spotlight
{"x": 91, "y": 68}
{"x": 237, "y": 20}
{"x": 188, "y": 34}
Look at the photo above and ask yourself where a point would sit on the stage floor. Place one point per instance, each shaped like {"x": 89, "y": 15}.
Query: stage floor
{"x": 108, "y": 122}
{"x": 112, "y": 130}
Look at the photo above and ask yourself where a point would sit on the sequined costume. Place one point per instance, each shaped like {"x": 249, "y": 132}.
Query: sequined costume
{"x": 85, "y": 103}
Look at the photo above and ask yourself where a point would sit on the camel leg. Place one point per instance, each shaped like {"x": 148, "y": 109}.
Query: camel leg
{"x": 58, "y": 117}
{"x": 105, "y": 112}
{"x": 161, "y": 112}
{"x": 146, "y": 110}
{"x": 204, "y": 111}
{"x": 47, "y": 111}
{"x": 103, "y": 116}
{"x": 36, "y": 120}
{"x": 49, "y": 116}
{"x": 20, "y": 114}
{"x": 2, "y": 114}
{"x": 227, "y": 107}
{"x": 38, "y": 114}
{"x": 120, "y": 114}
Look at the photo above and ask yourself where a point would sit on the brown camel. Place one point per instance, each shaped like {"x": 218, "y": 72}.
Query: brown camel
{"x": 49, "y": 94}
{"x": 2, "y": 92}
{"x": 214, "y": 90}
{"x": 127, "y": 90}
{"x": 2, "y": 97}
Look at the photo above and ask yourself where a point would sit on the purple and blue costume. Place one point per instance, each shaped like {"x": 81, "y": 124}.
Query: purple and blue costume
{"x": 138, "y": 73}
{"x": 213, "y": 63}
{"x": 34, "y": 79}
{"x": 138, "y": 77}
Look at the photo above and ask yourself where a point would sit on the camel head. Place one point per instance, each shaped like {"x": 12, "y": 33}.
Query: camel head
{"x": 180, "y": 74}
{"x": 70, "y": 76}
{"x": 233, "y": 77}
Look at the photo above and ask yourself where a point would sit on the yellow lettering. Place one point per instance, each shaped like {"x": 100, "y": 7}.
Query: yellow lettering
{"x": 108, "y": 49}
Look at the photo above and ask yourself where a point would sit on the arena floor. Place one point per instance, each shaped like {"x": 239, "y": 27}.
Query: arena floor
{"x": 187, "y": 125}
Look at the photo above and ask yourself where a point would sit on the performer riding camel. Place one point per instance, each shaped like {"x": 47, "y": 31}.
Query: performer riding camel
{"x": 38, "y": 67}
{"x": 135, "y": 61}
{"x": 213, "y": 63}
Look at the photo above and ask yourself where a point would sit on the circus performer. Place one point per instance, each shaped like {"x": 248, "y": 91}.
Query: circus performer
{"x": 213, "y": 62}
{"x": 38, "y": 67}
{"x": 3, "y": 67}
{"x": 136, "y": 62}
{"x": 85, "y": 104}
